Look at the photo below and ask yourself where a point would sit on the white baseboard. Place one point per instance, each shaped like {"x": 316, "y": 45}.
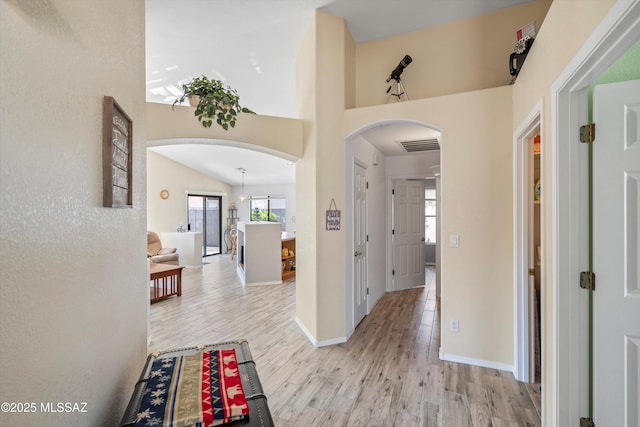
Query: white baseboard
{"x": 475, "y": 362}
{"x": 325, "y": 343}
{"x": 275, "y": 282}
{"x": 315, "y": 342}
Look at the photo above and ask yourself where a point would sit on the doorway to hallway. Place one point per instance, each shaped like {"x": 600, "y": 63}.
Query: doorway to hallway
{"x": 376, "y": 148}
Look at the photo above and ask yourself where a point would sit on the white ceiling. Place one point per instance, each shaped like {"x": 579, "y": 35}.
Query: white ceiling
{"x": 222, "y": 163}
{"x": 251, "y": 45}
{"x": 387, "y": 137}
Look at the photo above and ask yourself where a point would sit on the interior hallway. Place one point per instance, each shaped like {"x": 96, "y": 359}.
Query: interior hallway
{"x": 387, "y": 374}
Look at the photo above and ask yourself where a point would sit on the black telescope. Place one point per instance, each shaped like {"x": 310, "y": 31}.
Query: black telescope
{"x": 395, "y": 74}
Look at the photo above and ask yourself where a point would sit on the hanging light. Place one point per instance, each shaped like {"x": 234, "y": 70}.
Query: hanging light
{"x": 243, "y": 195}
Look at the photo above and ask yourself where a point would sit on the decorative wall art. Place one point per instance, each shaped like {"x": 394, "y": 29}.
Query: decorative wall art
{"x": 333, "y": 217}
{"x": 117, "y": 151}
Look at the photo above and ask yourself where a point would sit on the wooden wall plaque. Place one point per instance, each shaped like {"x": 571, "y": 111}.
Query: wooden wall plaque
{"x": 117, "y": 152}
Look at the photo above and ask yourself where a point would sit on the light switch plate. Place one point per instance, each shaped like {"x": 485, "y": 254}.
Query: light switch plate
{"x": 454, "y": 240}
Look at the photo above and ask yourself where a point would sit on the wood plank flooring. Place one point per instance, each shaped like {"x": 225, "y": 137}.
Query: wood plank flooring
{"x": 387, "y": 374}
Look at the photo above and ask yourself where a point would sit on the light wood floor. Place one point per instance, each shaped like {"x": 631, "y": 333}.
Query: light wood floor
{"x": 387, "y": 374}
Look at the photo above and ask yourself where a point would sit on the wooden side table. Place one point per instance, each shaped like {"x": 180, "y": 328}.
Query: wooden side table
{"x": 166, "y": 281}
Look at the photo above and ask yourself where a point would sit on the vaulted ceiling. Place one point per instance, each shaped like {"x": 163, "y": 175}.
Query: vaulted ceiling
{"x": 251, "y": 45}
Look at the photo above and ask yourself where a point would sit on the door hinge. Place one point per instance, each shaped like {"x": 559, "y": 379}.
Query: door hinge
{"x": 393, "y": 191}
{"x": 367, "y": 237}
{"x": 393, "y": 272}
{"x": 588, "y": 280}
{"x": 367, "y": 185}
{"x": 587, "y": 422}
{"x": 588, "y": 133}
{"x": 393, "y": 232}
{"x": 367, "y": 291}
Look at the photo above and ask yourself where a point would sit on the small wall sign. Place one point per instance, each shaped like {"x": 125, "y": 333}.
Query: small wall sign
{"x": 117, "y": 151}
{"x": 333, "y": 217}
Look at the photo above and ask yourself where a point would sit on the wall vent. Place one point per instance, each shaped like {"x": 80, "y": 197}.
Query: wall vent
{"x": 412, "y": 146}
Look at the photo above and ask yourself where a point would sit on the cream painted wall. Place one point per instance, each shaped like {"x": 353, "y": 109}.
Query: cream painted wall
{"x": 477, "y": 284}
{"x": 349, "y": 70}
{"x": 551, "y": 52}
{"x": 331, "y": 41}
{"x": 306, "y": 236}
{"x": 75, "y": 296}
{"x": 272, "y": 135}
{"x": 165, "y": 174}
{"x": 457, "y": 57}
{"x": 320, "y": 90}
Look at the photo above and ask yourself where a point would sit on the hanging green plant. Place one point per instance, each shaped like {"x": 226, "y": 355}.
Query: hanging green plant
{"x": 215, "y": 101}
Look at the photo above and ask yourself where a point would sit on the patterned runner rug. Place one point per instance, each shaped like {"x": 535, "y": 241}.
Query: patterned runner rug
{"x": 202, "y": 389}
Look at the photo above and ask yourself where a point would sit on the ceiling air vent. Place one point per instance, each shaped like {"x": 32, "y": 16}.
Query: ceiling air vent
{"x": 412, "y": 146}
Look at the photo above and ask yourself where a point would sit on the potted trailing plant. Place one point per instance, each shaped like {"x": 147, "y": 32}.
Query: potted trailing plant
{"x": 214, "y": 101}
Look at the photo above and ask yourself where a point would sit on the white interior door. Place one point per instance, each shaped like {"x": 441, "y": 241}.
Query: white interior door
{"x": 408, "y": 234}
{"x": 359, "y": 243}
{"x": 616, "y": 254}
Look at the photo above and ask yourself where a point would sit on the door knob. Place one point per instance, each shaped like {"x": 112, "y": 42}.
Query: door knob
{"x": 356, "y": 253}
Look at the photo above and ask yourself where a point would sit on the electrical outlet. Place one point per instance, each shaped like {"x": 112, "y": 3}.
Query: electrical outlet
{"x": 454, "y": 326}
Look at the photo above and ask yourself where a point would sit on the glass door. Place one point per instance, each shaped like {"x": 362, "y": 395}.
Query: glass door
{"x": 205, "y": 217}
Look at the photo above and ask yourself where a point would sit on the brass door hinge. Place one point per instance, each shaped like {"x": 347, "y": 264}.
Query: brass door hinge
{"x": 588, "y": 133}
{"x": 588, "y": 280}
{"x": 587, "y": 422}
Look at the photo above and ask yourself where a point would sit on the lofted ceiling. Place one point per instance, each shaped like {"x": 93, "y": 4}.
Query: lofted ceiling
{"x": 251, "y": 45}
{"x": 222, "y": 162}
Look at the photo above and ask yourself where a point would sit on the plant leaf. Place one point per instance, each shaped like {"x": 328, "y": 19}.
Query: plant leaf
{"x": 218, "y": 101}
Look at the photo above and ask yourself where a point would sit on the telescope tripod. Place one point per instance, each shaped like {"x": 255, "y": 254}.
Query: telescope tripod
{"x": 400, "y": 91}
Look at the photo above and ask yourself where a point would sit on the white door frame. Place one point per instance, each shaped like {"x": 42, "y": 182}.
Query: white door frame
{"x": 523, "y": 366}
{"x": 617, "y": 32}
{"x": 363, "y": 165}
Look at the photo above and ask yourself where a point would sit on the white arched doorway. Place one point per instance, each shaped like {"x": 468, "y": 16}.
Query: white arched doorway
{"x": 212, "y": 168}
{"x": 375, "y": 155}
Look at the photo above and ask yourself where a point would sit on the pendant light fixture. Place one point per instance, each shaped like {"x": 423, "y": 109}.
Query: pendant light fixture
{"x": 243, "y": 195}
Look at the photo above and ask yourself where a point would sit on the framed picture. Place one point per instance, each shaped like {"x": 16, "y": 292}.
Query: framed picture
{"x": 117, "y": 151}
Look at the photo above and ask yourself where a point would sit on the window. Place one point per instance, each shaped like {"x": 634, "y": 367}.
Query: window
{"x": 430, "y": 215}
{"x": 269, "y": 208}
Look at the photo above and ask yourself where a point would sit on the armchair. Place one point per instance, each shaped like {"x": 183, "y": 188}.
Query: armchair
{"x": 157, "y": 253}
